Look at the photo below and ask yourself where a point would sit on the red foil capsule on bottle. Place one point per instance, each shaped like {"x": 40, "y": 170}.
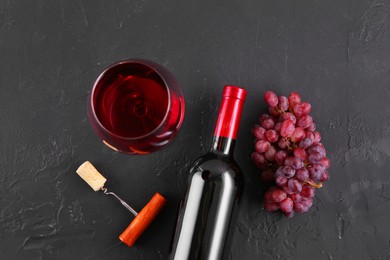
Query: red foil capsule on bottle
{"x": 230, "y": 112}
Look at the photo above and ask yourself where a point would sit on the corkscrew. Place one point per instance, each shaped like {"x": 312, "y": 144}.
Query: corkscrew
{"x": 142, "y": 219}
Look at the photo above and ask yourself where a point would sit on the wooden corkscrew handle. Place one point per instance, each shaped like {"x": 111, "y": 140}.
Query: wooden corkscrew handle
{"x": 143, "y": 220}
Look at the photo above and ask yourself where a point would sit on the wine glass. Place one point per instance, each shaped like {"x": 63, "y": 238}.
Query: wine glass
{"x": 136, "y": 106}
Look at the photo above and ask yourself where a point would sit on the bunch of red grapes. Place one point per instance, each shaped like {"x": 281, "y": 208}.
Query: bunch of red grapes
{"x": 289, "y": 152}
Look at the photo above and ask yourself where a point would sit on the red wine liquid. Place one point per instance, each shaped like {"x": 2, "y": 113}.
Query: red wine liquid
{"x": 131, "y": 101}
{"x": 136, "y": 106}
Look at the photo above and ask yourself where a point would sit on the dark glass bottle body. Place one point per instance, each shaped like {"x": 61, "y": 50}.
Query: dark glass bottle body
{"x": 209, "y": 209}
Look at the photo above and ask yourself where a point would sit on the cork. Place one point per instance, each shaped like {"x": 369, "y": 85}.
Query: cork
{"x": 91, "y": 176}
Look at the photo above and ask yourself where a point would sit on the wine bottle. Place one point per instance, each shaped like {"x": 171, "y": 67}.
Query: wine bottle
{"x": 206, "y": 218}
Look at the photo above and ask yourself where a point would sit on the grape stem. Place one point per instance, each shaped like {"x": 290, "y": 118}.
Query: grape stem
{"x": 280, "y": 111}
{"x": 315, "y": 185}
{"x": 287, "y": 140}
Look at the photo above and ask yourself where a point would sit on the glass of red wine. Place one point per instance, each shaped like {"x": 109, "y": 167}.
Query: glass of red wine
{"x": 136, "y": 106}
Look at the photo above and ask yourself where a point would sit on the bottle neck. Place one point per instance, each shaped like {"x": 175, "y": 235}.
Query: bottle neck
{"x": 228, "y": 122}
{"x": 223, "y": 145}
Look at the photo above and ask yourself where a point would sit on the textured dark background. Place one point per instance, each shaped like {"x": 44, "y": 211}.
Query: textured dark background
{"x": 335, "y": 53}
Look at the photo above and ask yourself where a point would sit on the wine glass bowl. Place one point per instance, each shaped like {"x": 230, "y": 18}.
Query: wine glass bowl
{"x": 136, "y": 106}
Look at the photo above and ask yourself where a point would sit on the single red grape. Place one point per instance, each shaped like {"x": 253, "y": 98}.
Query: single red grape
{"x": 271, "y": 99}
{"x": 305, "y": 121}
{"x": 317, "y": 148}
{"x": 268, "y": 123}
{"x": 279, "y": 172}
{"x": 280, "y": 156}
{"x": 300, "y": 153}
{"x": 281, "y": 181}
{"x": 309, "y": 134}
{"x": 314, "y": 157}
{"x": 278, "y": 195}
{"x": 316, "y": 171}
{"x": 300, "y": 207}
{"x": 307, "y": 191}
{"x": 312, "y": 127}
{"x": 306, "y": 108}
{"x": 298, "y": 135}
{"x": 307, "y": 202}
{"x": 319, "y": 166}
{"x": 302, "y": 175}
{"x": 287, "y": 128}
{"x": 293, "y": 162}
{"x": 262, "y": 146}
{"x": 272, "y": 136}
{"x": 295, "y": 197}
{"x": 286, "y": 116}
{"x": 277, "y": 127}
{"x": 305, "y": 143}
{"x": 259, "y": 159}
{"x": 270, "y": 154}
{"x": 293, "y": 99}
{"x": 263, "y": 117}
{"x": 287, "y": 189}
{"x": 259, "y": 132}
{"x": 317, "y": 137}
{"x": 324, "y": 176}
{"x": 325, "y": 161}
{"x": 286, "y": 205}
{"x": 285, "y": 171}
{"x": 283, "y": 103}
{"x": 302, "y": 109}
{"x": 294, "y": 185}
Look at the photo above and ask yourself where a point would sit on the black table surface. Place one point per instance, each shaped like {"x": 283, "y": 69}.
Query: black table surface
{"x": 336, "y": 54}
